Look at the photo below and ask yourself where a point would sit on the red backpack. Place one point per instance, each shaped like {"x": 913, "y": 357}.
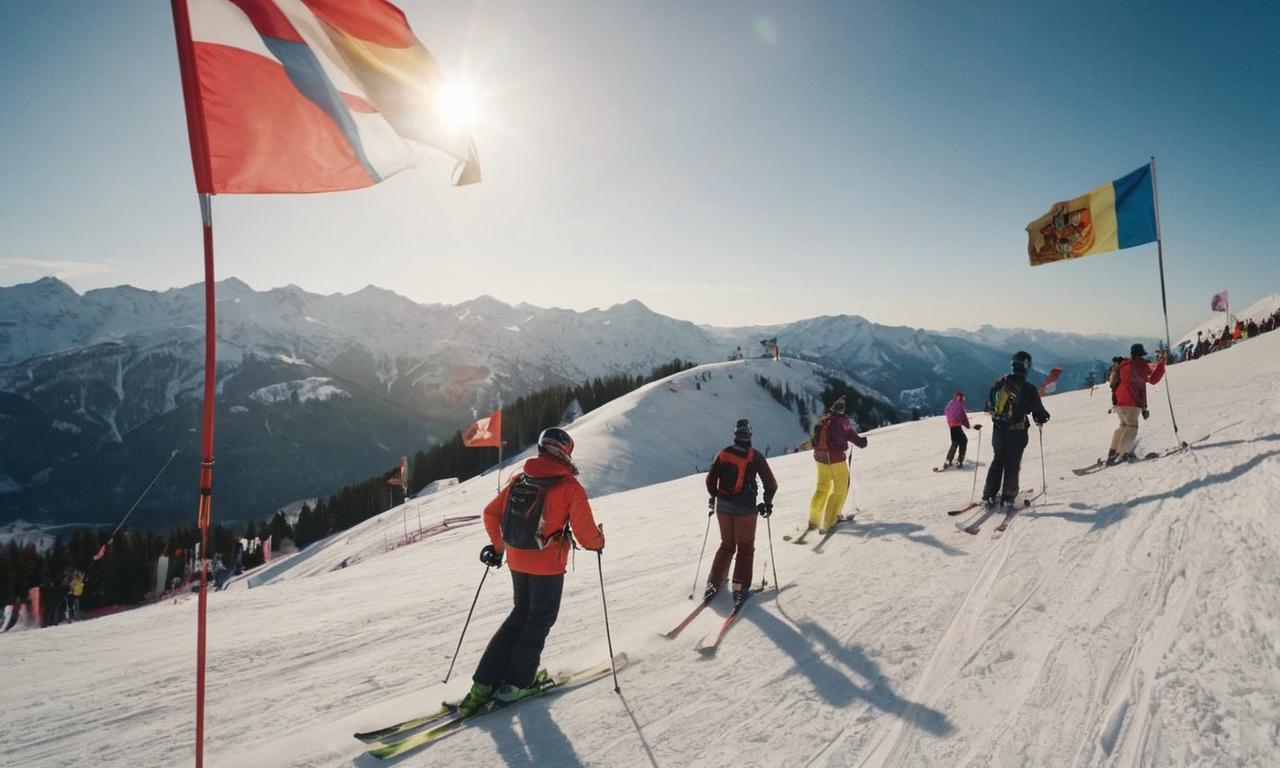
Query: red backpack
{"x": 741, "y": 462}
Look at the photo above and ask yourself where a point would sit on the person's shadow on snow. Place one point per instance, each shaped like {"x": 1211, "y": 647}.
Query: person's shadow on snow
{"x": 807, "y": 648}
{"x": 909, "y": 531}
{"x": 539, "y": 742}
{"x": 1104, "y": 517}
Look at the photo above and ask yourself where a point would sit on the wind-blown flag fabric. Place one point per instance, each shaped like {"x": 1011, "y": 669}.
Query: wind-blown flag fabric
{"x": 1219, "y": 302}
{"x": 308, "y": 95}
{"x": 485, "y": 433}
{"x": 1118, "y": 214}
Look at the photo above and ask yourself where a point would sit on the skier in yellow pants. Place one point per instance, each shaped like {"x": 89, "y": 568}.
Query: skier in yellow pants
{"x": 831, "y": 437}
{"x": 828, "y": 499}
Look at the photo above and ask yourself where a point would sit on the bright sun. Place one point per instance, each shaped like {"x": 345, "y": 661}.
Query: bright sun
{"x": 458, "y": 105}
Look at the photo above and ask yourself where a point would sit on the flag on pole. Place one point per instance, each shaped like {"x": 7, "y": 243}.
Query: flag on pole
{"x": 310, "y": 95}
{"x": 1220, "y": 302}
{"x": 485, "y": 433}
{"x": 1050, "y": 381}
{"x": 1118, "y": 214}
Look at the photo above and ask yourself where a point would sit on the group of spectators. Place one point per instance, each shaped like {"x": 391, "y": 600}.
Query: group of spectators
{"x": 1230, "y": 334}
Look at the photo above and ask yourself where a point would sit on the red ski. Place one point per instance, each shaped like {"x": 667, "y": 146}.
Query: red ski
{"x": 708, "y": 649}
{"x": 688, "y": 619}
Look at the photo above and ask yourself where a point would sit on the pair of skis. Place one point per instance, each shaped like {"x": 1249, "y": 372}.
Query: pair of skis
{"x": 709, "y": 644}
{"x": 826, "y": 535}
{"x": 1025, "y": 498}
{"x": 385, "y": 743}
{"x": 1101, "y": 464}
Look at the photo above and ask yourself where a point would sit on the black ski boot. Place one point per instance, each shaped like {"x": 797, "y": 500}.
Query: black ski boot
{"x": 1112, "y": 458}
{"x": 740, "y": 596}
{"x": 710, "y": 592}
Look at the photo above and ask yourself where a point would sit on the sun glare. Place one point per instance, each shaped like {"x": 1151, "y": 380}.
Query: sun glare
{"x": 458, "y": 104}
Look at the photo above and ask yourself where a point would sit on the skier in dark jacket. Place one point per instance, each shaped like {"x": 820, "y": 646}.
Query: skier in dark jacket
{"x": 731, "y": 483}
{"x": 1010, "y": 401}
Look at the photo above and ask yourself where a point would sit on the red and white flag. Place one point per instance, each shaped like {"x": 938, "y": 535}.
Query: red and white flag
{"x": 311, "y": 95}
{"x": 1220, "y": 302}
{"x": 485, "y": 433}
{"x": 1050, "y": 381}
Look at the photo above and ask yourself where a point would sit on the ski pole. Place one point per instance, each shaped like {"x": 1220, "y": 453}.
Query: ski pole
{"x": 466, "y": 624}
{"x": 772, "y": 560}
{"x": 701, "y": 554}
{"x": 608, "y": 637}
{"x": 976, "y": 456}
{"x": 1044, "y": 478}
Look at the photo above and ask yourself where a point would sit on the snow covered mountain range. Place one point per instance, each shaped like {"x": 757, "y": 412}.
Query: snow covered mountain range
{"x": 315, "y": 391}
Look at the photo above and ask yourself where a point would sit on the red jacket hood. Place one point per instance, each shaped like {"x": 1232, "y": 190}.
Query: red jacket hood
{"x": 546, "y": 466}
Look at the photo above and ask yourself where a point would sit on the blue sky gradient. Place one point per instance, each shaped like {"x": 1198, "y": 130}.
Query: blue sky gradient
{"x": 725, "y": 162}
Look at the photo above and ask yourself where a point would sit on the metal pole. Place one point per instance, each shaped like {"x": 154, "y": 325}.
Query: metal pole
{"x": 976, "y": 456}
{"x": 1044, "y": 477}
{"x": 608, "y": 637}
{"x": 466, "y": 624}
{"x": 703, "y": 553}
{"x": 1164, "y": 301}
{"x": 772, "y": 560}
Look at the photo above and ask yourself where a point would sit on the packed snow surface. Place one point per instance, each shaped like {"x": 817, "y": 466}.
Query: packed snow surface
{"x": 1128, "y": 618}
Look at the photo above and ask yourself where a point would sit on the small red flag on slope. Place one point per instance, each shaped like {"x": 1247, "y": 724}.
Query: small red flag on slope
{"x": 485, "y": 433}
{"x": 1050, "y": 381}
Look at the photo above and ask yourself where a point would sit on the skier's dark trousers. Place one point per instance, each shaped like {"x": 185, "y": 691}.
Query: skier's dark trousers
{"x": 1010, "y": 401}
{"x": 514, "y": 651}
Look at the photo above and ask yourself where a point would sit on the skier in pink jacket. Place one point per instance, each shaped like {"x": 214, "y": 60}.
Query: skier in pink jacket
{"x": 957, "y": 422}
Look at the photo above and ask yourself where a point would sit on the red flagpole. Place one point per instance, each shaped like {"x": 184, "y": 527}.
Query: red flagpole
{"x": 204, "y": 186}
{"x": 205, "y": 514}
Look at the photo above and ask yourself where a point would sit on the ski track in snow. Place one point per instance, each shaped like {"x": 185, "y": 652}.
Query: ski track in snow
{"x": 1128, "y": 618}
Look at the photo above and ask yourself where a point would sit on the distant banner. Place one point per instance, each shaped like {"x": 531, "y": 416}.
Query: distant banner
{"x": 1116, "y": 215}
{"x": 485, "y": 433}
{"x": 1220, "y": 302}
{"x": 1050, "y": 381}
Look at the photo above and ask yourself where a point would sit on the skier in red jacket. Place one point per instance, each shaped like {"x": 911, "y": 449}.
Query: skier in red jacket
{"x": 530, "y": 521}
{"x": 1130, "y": 396}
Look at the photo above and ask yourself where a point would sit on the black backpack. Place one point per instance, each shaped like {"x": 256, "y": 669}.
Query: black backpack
{"x": 522, "y": 517}
{"x": 1004, "y": 401}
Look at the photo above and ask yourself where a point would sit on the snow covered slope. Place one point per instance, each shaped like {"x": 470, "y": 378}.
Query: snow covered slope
{"x": 1128, "y": 619}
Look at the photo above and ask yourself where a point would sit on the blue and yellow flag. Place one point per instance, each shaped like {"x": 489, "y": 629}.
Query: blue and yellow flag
{"x": 1118, "y": 214}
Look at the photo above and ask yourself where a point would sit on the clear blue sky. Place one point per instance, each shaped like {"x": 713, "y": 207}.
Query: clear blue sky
{"x": 724, "y": 162}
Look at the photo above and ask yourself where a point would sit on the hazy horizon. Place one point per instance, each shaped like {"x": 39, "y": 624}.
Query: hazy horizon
{"x": 586, "y": 309}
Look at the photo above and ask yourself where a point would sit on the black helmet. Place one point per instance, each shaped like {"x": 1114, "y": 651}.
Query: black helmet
{"x": 1137, "y": 350}
{"x": 556, "y": 442}
{"x": 1021, "y": 363}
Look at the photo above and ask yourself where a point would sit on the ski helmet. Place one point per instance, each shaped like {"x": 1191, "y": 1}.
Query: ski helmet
{"x": 556, "y": 442}
{"x": 1021, "y": 363}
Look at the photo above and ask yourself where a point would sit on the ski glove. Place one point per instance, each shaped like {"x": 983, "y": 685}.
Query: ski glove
{"x": 490, "y": 556}
{"x": 765, "y": 509}
{"x": 1145, "y": 414}
{"x": 711, "y": 506}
